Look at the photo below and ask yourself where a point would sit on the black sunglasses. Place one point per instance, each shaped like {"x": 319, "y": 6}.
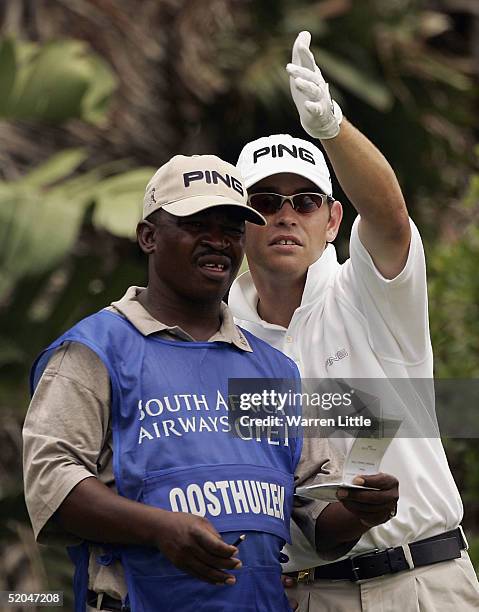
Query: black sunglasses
{"x": 304, "y": 203}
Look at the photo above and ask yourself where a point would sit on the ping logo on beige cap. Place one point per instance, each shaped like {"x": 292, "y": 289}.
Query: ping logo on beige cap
{"x": 187, "y": 185}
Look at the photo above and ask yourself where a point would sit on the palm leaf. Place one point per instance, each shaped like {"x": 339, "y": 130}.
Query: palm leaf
{"x": 359, "y": 82}
{"x": 53, "y": 82}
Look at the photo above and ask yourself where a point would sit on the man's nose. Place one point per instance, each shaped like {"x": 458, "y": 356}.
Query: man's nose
{"x": 215, "y": 237}
{"x": 286, "y": 214}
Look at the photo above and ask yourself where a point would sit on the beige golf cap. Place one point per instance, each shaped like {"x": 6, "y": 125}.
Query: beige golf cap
{"x": 187, "y": 185}
{"x": 282, "y": 153}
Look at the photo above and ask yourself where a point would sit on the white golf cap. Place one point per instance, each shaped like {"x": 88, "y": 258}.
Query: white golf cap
{"x": 187, "y": 185}
{"x": 282, "y": 153}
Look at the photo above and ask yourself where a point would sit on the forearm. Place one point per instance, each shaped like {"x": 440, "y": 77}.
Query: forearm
{"x": 370, "y": 183}
{"x": 94, "y": 512}
{"x": 335, "y": 526}
{"x": 366, "y": 177}
{"x": 359, "y": 510}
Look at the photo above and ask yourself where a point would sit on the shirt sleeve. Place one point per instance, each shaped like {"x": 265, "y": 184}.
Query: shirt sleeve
{"x": 318, "y": 459}
{"x": 395, "y": 310}
{"x": 66, "y": 435}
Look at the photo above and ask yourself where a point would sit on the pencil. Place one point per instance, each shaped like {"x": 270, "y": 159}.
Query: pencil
{"x": 242, "y": 538}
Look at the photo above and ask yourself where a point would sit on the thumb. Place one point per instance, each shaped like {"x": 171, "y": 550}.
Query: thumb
{"x": 302, "y": 56}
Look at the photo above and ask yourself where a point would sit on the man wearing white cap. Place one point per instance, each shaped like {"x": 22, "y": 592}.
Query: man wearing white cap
{"x": 129, "y": 455}
{"x": 365, "y": 319}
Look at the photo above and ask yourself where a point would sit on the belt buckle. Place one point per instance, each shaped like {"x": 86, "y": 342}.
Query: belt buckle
{"x": 306, "y": 576}
{"x": 353, "y": 558}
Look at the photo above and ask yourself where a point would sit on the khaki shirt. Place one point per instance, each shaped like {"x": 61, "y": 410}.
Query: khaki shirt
{"x": 67, "y": 436}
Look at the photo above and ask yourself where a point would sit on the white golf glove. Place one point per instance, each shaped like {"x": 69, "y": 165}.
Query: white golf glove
{"x": 320, "y": 115}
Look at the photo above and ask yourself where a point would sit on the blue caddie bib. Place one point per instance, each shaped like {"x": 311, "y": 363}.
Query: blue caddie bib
{"x": 173, "y": 449}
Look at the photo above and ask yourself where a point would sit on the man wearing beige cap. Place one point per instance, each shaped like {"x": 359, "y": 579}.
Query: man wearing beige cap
{"x": 128, "y": 454}
{"x": 366, "y": 319}
{"x": 132, "y": 455}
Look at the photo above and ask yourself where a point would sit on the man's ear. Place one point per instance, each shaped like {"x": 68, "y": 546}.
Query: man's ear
{"x": 335, "y": 217}
{"x": 145, "y": 234}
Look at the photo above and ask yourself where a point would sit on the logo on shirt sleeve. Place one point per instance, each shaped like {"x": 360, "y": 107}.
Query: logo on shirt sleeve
{"x": 341, "y": 354}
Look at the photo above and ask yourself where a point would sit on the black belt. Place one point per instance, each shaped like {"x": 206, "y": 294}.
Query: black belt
{"x": 443, "y": 547}
{"x": 108, "y": 603}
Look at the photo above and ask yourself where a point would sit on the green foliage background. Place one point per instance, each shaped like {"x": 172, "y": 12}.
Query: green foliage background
{"x": 95, "y": 95}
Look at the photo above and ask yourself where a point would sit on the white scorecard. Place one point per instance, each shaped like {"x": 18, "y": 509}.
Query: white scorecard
{"x": 364, "y": 458}
{"x": 327, "y": 492}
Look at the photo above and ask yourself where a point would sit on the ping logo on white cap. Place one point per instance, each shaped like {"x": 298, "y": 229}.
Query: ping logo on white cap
{"x": 213, "y": 177}
{"x": 281, "y": 153}
{"x": 280, "y": 149}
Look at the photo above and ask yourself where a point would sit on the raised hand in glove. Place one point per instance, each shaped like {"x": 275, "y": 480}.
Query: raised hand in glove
{"x": 320, "y": 115}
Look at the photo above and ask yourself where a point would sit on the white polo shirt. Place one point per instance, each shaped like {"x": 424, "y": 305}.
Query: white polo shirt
{"x": 353, "y": 323}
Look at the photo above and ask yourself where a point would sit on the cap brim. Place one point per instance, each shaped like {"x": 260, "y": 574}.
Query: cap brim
{"x": 191, "y": 206}
{"x": 285, "y": 166}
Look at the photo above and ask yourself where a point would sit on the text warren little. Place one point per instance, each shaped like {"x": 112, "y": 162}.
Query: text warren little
{"x": 299, "y": 421}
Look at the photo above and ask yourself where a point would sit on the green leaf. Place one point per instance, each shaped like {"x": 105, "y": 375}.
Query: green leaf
{"x": 119, "y": 202}
{"x": 360, "y": 83}
{"x": 55, "y": 168}
{"x": 60, "y": 80}
{"x": 7, "y": 72}
{"x": 51, "y": 86}
{"x": 435, "y": 70}
{"x": 102, "y": 85}
{"x": 40, "y": 215}
{"x": 41, "y": 230}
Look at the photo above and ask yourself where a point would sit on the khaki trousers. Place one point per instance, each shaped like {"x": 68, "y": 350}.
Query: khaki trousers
{"x": 450, "y": 586}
